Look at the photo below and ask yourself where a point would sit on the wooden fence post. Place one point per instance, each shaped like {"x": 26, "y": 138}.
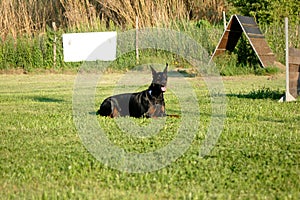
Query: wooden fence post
{"x": 137, "y": 39}
{"x": 224, "y": 20}
{"x": 54, "y": 44}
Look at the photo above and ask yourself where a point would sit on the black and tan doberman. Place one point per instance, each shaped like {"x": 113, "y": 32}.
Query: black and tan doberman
{"x": 149, "y": 103}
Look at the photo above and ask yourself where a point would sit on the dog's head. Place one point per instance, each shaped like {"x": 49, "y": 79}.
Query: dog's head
{"x": 159, "y": 81}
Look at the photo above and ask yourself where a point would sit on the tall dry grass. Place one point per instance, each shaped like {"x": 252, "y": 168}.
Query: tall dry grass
{"x": 150, "y": 13}
{"x": 33, "y": 16}
{"x": 79, "y": 14}
{"x": 158, "y": 12}
{"x": 27, "y": 16}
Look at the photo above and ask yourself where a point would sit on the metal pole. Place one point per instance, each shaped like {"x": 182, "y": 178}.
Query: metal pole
{"x": 286, "y": 22}
{"x": 288, "y": 96}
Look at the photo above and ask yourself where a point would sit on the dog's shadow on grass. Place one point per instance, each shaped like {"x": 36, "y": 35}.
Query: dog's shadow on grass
{"x": 182, "y": 73}
{"x": 263, "y": 93}
{"x": 47, "y": 99}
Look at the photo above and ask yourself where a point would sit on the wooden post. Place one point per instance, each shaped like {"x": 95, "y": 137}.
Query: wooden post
{"x": 224, "y": 20}
{"x": 54, "y": 44}
{"x": 137, "y": 39}
{"x": 288, "y": 97}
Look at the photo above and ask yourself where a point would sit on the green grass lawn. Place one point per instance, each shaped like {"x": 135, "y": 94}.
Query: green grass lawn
{"x": 42, "y": 156}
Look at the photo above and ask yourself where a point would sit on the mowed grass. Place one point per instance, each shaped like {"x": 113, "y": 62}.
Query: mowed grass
{"x": 42, "y": 157}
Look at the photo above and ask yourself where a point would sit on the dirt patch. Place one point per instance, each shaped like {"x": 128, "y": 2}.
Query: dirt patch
{"x": 19, "y": 71}
{"x": 13, "y": 71}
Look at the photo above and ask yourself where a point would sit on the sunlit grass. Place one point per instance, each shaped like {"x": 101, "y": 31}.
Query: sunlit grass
{"x": 42, "y": 156}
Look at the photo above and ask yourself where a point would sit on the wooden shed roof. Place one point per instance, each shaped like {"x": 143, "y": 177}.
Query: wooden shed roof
{"x": 236, "y": 26}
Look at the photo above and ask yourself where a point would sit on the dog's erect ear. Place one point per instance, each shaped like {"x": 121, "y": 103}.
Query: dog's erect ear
{"x": 153, "y": 71}
{"x": 166, "y": 69}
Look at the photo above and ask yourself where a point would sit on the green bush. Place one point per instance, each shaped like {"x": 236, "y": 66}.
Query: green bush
{"x": 229, "y": 65}
{"x": 8, "y": 55}
{"x": 30, "y": 53}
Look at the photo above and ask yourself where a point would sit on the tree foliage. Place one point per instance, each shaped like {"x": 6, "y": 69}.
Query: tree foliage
{"x": 268, "y": 11}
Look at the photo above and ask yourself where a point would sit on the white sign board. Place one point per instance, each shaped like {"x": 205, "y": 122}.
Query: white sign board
{"x": 90, "y": 46}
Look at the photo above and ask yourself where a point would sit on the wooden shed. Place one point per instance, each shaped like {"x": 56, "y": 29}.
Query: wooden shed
{"x": 240, "y": 24}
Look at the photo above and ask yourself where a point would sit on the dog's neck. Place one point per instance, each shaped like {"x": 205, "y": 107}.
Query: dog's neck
{"x": 152, "y": 92}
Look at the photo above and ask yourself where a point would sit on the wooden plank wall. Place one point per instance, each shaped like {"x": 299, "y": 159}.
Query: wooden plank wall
{"x": 294, "y": 71}
{"x": 257, "y": 40}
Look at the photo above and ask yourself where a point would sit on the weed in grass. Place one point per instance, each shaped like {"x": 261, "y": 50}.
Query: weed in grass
{"x": 262, "y": 93}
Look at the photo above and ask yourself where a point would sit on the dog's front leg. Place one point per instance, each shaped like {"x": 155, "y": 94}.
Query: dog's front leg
{"x": 155, "y": 111}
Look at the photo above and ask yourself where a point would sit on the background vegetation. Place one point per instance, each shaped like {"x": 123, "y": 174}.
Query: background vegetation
{"x": 27, "y": 35}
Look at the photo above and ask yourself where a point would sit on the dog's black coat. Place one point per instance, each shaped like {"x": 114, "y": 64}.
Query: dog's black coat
{"x": 148, "y": 103}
